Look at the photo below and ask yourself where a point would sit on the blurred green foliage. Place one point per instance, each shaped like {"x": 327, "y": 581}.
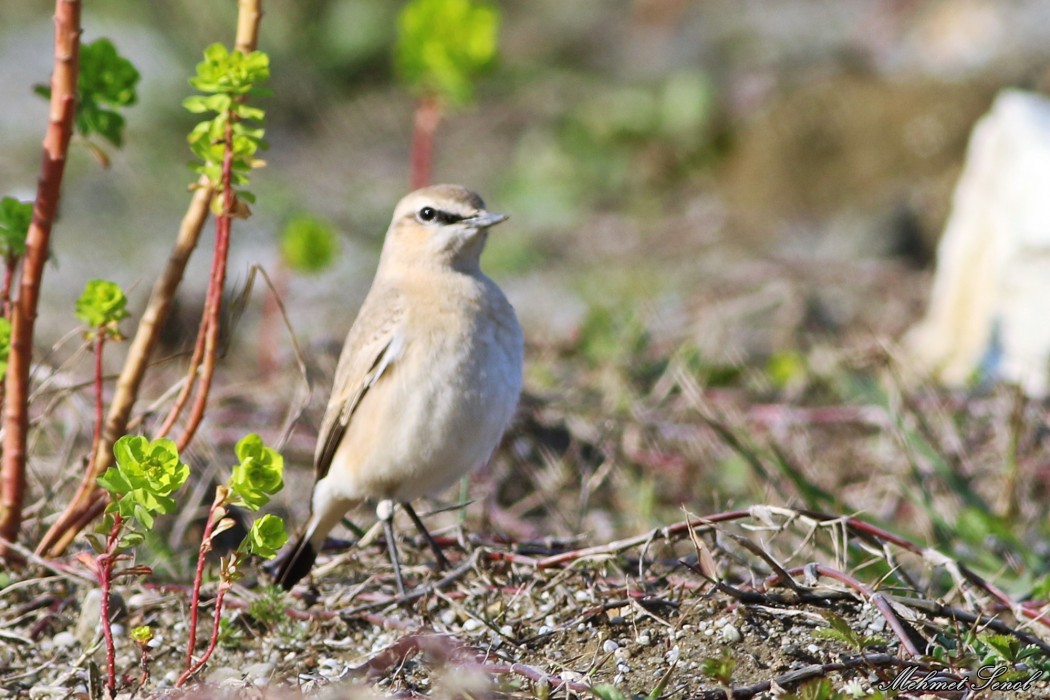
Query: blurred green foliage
{"x": 102, "y": 306}
{"x": 308, "y": 245}
{"x": 106, "y": 80}
{"x": 15, "y": 217}
{"x": 443, "y": 45}
{"x": 5, "y": 344}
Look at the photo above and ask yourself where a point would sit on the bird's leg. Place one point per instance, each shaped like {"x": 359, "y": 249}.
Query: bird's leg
{"x": 385, "y": 513}
{"x": 442, "y": 562}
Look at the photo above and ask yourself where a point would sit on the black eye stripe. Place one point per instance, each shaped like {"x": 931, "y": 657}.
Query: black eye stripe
{"x": 430, "y": 214}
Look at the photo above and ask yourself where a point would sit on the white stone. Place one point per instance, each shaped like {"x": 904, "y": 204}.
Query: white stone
{"x": 988, "y": 305}
{"x": 730, "y": 634}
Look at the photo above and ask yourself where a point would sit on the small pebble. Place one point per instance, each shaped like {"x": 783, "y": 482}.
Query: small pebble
{"x": 731, "y": 635}
{"x": 63, "y": 640}
{"x": 570, "y": 676}
{"x": 259, "y": 671}
{"x": 448, "y": 616}
{"x": 672, "y": 656}
{"x": 506, "y": 631}
{"x": 583, "y": 596}
{"x": 609, "y": 646}
{"x": 644, "y": 640}
{"x": 222, "y": 674}
{"x": 169, "y": 678}
{"x": 544, "y": 630}
{"x": 622, "y": 654}
{"x": 581, "y": 628}
{"x": 813, "y": 649}
{"x": 471, "y": 625}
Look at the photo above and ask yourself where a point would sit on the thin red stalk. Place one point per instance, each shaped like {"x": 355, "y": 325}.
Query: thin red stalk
{"x": 195, "y": 598}
{"x": 424, "y": 126}
{"x": 213, "y": 306}
{"x": 212, "y": 642}
{"x": 191, "y": 376}
{"x": 104, "y": 569}
{"x": 38, "y": 239}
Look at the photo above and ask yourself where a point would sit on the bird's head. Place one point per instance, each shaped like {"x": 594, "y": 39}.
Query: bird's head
{"x": 443, "y": 225}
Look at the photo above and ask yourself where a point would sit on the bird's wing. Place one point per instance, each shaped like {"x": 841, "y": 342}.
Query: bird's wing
{"x": 374, "y": 344}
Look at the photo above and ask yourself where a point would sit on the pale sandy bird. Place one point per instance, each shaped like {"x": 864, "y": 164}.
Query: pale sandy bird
{"x": 428, "y": 379}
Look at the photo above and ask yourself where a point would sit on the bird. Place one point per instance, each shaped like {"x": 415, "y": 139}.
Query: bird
{"x": 428, "y": 379}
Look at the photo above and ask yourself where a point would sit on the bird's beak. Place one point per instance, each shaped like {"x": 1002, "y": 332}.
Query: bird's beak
{"x": 486, "y": 219}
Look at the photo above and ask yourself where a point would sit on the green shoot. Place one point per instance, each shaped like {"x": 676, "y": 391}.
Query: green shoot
{"x": 140, "y": 485}
{"x": 102, "y": 306}
{"x": 258, "y": 475}
{"x": 840, "y": 631}
{"x": 227, "y": 78}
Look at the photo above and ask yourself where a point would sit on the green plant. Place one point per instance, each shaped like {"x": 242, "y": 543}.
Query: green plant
{"x": 719, "y": 668}
{"x": 267, "y": 608}
{"x": 15, "y": 218}
{"x": 308, "y": 245}
{"x": 102, "y": 306}
{"x": 140, "y": 484}
{"x": 226, "y": 145}
{"x": 142, "y": 636}
{"x": 442, "y": 47}
{"x": 258, "y": 475}
{"x": 840, "y": 631}
{"x": 107, "y": 80}
{"x": 89, "y": 500}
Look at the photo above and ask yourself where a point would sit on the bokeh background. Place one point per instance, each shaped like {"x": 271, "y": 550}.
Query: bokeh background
{"x": 752, "y": 189}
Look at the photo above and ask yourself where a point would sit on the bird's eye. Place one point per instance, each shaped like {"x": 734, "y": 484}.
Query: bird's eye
{"x": 427, "y": 214}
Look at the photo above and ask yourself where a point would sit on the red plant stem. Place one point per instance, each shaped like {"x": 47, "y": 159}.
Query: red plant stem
{"x": 424, "y": 125}
{"x": 104, "y": 570}
{"x": 191, "y": 376}
{"x": 223, "y": 586}
{"x": 24, "y": 309}
{"x": 198, "y": 578}
{"x": 213, "y": 306}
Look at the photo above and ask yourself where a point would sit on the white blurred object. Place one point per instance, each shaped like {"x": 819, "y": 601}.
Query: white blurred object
{"x": 990, "y": 304}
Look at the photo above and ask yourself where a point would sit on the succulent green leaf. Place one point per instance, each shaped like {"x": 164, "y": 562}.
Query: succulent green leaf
{"x": 15, "y": 217}
{"x": 266, "y": 537}
{"x": 102, "y": 305}
{"x": 142, "y": 635}
{"x": 144, "y": 477}
{"x": 444, "y": 44}
{"x": 226, "y": 78}
{"x": 308, "y": 245}
{"x": 106, "y": 80}
{"x": 259, "y": 475}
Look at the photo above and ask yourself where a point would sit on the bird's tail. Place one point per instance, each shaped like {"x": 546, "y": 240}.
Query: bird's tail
{"x": 297, "y": 564}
